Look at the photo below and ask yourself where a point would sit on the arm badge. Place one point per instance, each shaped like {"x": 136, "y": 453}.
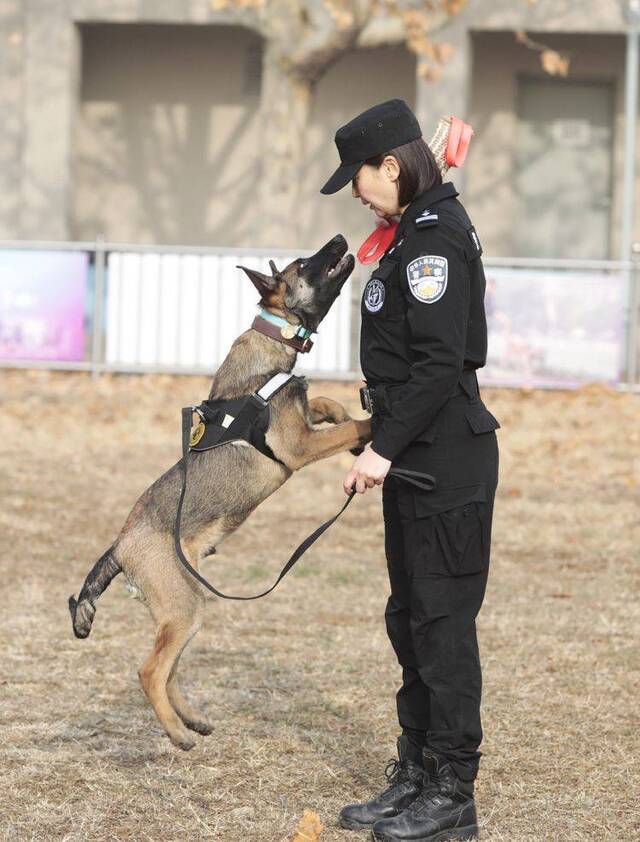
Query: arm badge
{"x": 427, "y": 277}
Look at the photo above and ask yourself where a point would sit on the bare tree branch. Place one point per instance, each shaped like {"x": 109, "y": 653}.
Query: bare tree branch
{"x": 553, "y": 62}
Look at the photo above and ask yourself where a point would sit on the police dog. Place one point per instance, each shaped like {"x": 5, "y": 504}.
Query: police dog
{"x": 226, "y": 483}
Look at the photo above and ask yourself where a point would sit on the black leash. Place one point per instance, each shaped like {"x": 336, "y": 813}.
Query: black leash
{"x": 424, "y": 481}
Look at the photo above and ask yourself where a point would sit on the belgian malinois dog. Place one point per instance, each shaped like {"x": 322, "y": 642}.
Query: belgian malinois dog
{"x": 225, "y": 483}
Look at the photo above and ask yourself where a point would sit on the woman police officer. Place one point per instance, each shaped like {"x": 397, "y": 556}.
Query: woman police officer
{"x": 423, "y": 336}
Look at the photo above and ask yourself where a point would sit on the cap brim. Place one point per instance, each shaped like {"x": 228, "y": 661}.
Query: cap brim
{"x": 341, "y": 177}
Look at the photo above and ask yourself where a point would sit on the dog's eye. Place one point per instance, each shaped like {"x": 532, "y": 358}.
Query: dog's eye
{"x": 302, "y": 264}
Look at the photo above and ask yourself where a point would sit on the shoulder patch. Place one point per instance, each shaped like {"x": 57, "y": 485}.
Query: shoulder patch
{"x": 427, "y": 277}
{"x": 426, "y": 219}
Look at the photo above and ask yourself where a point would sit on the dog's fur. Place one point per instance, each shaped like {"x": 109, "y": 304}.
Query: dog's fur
{"x": 225, "y": 484}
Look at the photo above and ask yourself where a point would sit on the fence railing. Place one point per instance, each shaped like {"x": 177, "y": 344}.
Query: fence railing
{"x": 139, "y": 308}
{"x": 119, "y": 307}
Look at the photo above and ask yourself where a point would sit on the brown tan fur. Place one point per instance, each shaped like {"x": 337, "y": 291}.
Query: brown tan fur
{"x": 225, "y": 486}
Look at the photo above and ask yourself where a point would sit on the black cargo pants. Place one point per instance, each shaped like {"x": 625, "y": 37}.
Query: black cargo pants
{"x": 438, "y": 549}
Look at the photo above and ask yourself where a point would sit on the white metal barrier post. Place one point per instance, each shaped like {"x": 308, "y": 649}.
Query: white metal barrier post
{"x": 97, "y": 343}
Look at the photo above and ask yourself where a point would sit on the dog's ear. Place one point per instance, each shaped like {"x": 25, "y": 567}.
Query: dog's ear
{"x": 263, "y": 283}
{"x": 275, "y": 271}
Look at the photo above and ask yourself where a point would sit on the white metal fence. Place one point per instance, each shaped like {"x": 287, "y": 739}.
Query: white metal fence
{"x": 118, "y": 307}
{"x": 153, "y": 308}
{"x": 183, "y": 311}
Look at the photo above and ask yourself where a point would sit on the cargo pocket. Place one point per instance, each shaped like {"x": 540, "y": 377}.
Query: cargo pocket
{"x": 449, "y": 535}
{"x": 460, "y": 536}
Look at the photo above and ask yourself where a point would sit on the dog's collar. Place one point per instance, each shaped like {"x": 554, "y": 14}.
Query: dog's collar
{"x": 282, "y": 322}
{"x": 296, "y": 336}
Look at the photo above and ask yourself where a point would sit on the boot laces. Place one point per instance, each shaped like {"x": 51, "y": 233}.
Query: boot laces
{"x": 431, "y": 794}
{"x": 396, "y": 771}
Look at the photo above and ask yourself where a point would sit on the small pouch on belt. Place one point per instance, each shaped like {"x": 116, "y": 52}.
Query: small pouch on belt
{"x": 375, "y": 399}
{"x": 366, "y": 399}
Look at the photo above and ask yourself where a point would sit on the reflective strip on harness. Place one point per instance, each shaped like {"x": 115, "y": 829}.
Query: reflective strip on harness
{"x": 274, "y": 385}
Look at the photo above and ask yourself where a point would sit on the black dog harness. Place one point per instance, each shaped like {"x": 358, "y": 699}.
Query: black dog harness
{"x": 238, "y": 419}
{"x": 247, "y": 419}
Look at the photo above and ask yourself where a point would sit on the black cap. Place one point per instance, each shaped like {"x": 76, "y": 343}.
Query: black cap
{"x": 376, "y": 130}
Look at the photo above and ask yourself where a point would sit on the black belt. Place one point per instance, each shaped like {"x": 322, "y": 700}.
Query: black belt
{"x": 378, "y": 399}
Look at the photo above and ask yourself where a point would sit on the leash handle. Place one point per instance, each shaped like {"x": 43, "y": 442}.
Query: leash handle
{"x": 304, "y": 546}
{"x": 425, "y": 482}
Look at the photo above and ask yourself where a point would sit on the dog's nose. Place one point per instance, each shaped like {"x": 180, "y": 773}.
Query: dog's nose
{"x": 338, "y": 239}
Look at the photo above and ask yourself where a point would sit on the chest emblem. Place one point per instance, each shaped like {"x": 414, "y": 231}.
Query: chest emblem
{"x": 374, "y": 295}
{"x": 427, "y": 277}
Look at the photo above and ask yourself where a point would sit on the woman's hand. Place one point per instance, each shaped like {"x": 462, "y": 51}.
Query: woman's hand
{"x": 368, "y": 470}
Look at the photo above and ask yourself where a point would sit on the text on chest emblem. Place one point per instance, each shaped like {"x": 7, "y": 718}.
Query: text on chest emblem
{"x": 427, "y": 277}
{"x": 374, "y": 295}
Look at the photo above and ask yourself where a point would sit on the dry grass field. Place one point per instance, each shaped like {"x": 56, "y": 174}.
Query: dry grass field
{"x": 300, "y": 685}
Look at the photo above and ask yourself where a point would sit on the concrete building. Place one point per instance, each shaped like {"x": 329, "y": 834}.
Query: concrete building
{"x": 139, "y": 120}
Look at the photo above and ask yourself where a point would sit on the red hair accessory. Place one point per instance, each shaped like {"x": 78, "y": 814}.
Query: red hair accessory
{"x": 449, "y": 145}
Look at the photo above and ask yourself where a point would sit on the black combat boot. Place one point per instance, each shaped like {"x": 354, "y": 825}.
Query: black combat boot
{"x": 405, "y": 784}
{"x": 444, "y": 810}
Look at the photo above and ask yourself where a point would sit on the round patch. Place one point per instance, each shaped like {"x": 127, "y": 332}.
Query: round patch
{"x": 196, "y": 434}
{"x": 374, "y": 295}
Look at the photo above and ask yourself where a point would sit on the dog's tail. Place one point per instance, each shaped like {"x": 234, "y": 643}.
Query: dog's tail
{"x": 84, "y": 608}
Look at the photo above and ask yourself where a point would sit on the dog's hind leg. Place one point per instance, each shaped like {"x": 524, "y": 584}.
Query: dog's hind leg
{"x": 194, "y": 720}
{"x": 177, "y": 610}
{"x": 171, "y": 638}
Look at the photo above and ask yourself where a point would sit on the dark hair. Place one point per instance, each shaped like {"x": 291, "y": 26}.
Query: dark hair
{"x": 419, "y": 171}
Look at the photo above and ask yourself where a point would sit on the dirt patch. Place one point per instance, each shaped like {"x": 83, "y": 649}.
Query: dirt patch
{"x": 300, "y": 685}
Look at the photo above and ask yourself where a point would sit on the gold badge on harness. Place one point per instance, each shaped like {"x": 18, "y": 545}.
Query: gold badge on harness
{"x": 196, "y": 434}
{"x": 288, "y": 331}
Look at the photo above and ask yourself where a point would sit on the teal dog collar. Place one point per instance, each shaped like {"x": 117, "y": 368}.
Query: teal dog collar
{"x": 294, "y": 331}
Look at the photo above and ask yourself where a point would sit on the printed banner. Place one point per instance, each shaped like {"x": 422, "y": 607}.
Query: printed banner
{"x": 42, "y": 305}
{"x": 554, "y": 327}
